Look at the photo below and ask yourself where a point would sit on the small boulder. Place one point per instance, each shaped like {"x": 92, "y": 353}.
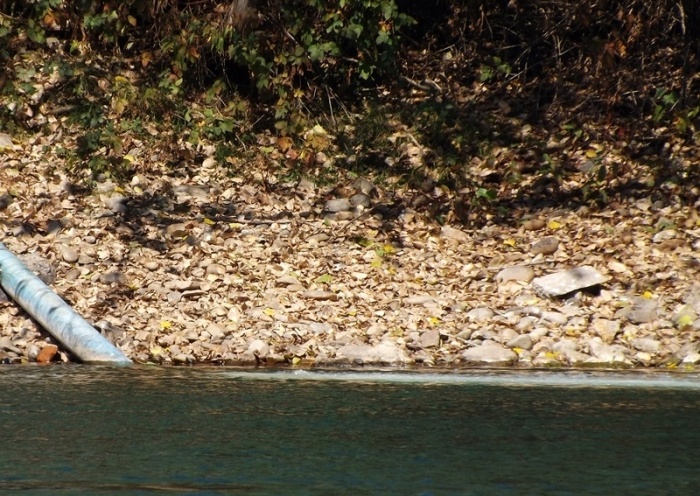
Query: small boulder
{"x": 568, "y": 281}
{"x": 490, "y": 353}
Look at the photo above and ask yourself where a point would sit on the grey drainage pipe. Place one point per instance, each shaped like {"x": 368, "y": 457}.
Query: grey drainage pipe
{"x": 54, "y": 314}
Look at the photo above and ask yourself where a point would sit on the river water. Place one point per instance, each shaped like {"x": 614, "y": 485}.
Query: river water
{"x": 141, "y": 430}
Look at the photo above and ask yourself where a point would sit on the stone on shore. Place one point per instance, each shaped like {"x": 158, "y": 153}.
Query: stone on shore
{"x": 640, "y": 311}
{"x": 47, "y": 353}
{"x": 489, "y": 353}
{"x": 519, "y": 273}
{"x": 545, "y": 246}
{"x": 429, "y": 339}
{"x": 337, "y": 205}
{"x": 568, "y": 281}
{"x": 606, "y": 329}
{"x": 384, "y": 353}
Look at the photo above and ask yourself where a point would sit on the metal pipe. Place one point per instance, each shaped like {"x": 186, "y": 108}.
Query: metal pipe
{"x": 54, "y": 314}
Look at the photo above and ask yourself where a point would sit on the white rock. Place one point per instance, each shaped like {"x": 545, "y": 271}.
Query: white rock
{"x": 521, "y": 273}
{"x": 490, "y": 354}
{"x": 568, "y": 281}
{"x": 480, "y": 314}
{"x": 664, "y": 235}
{"x": 386, "y": 352}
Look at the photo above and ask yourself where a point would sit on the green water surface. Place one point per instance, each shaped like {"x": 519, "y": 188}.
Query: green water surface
{"x": 88, "y": 430}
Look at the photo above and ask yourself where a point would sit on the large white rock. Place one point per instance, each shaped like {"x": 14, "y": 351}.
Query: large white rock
{"x": 568, "y": 281}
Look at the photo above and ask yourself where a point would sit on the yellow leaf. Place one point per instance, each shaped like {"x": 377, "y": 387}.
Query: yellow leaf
{"x": 434, "y": 320}
{"x": 209, "y": 222}
{"x": 129, "y": 158}
{"x": 156, "y": 350}
{"x": 685, "y": 320}
{"x": 296, "y": 360}
{"x": 518, "y": 350}
{"x": 165, "y": 324}
{"x": 553, "y": 225}
{"x": 591, "y": 154}
{"x": 552, "y": 355}
{"x": 377, "y": 262}
{"x": 648, "y": 295}
{"x": 131, "y": 20}
{"x": 269, "y": 312}
{"x": 352, "y": 312}
{"x": 510, "y": 242}
{"x": 389, "y": 249}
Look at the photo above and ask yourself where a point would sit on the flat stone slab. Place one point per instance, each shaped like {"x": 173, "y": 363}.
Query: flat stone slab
{"x": 568, "y": 281}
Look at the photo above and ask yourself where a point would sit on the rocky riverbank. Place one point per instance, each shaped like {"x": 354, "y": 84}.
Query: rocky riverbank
{"x": 218, "y": 269}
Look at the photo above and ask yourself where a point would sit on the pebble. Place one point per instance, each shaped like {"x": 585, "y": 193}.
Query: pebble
{"x": 174, "y": 297}
{"x": 419, "y": 300}
{"x": 429, "y": 339}
{"x": 360, "y": 199}
{"x": 664, "y": 235}
{"x": 151, "y": 265}
{"x": 215, "y": 269}
{"x": 320, "y": 295}
{"x": 640, "y": 311}
{"x": 338, "y": 205}
{"x": 113, "y": 277}
{"x": 647, "y": 345}
{"x": 480, "y": 314}
{"x": 259, "y": 348}
{"x": 5, "y": 141}
{"x": 68, "y": 254}
{"x": 116, "y": 204}
{"x": 533, "y": 224}
{"x": 605, "y": 353}
{"x": 522, "y": 341}
{"x": 606, "y": 329}
{"x": 448, "y": 232}
{"x": 364, "y": 186}
{"x": 7, "y": 345}
{"x": 318, "y": 237}
{"x": 520, "y": 273}
{"x": 31, "y": 352}
{"x": 546, "y": 246}
{"x": 182, "y": 358}
{"x": 287, "y": 281}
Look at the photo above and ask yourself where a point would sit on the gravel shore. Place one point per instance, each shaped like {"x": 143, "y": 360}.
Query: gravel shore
{"x": 218, "y": 269}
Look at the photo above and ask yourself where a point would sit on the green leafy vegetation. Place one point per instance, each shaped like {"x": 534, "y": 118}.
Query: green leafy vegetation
{"x": 482, "y": 106}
